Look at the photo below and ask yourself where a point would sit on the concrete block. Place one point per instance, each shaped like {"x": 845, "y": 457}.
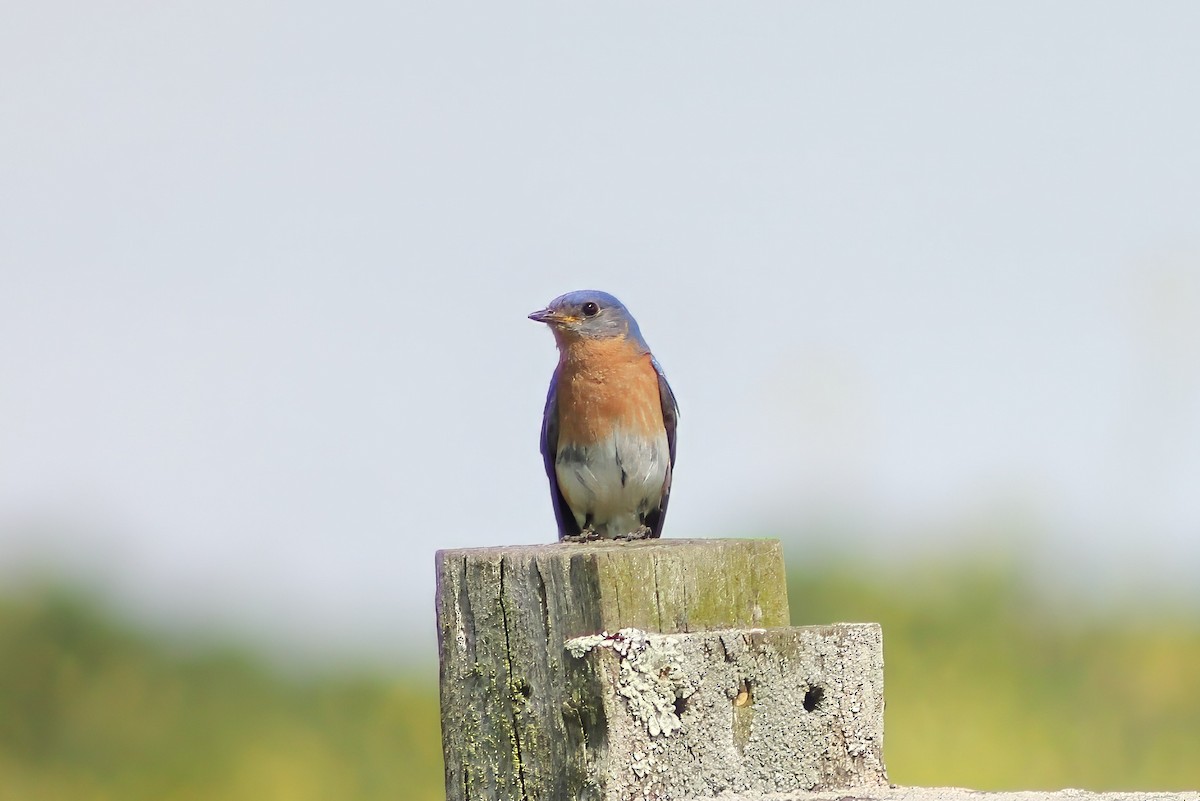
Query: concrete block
{"x": 735, "y": 711}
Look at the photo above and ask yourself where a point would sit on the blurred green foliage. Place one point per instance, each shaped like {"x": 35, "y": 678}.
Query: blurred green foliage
{"x": 91, "y": 710}
{"x": 988, "y": 686}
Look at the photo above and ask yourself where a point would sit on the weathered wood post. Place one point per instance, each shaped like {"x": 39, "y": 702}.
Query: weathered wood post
{"x": 655, "y": 669}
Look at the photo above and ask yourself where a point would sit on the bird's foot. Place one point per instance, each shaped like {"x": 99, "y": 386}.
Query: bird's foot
{"x": 639, "y": 533}
{"x": 586, "y": 535}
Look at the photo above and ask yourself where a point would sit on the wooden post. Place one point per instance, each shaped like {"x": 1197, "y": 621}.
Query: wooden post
{"x": 537, "y": 705}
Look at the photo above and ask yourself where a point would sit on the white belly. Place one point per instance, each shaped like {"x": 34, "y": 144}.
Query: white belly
{"x": 611, "y": 485}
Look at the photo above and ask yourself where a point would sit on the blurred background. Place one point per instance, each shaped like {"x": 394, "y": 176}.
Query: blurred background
{"x": 925, "y": 279}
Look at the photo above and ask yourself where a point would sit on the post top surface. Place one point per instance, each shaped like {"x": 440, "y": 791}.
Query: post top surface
{"x": 608, "y": 546}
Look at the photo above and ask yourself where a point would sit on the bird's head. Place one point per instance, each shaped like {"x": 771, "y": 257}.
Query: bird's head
{"x": 589, "y": 314}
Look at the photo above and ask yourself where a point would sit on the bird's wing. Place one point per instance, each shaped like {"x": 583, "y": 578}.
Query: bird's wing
{"x": 670, "y": 408}
{"x": 562, "y": 513}
{"x": 670, "y": 413}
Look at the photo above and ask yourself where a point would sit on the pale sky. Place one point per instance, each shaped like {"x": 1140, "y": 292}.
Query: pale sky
{"x": 911, "y": 270}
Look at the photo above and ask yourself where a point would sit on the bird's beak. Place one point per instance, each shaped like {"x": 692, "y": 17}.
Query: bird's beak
{"x": 549, "y": 317}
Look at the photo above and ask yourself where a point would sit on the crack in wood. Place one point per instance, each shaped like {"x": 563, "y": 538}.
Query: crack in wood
{"x": 515, "y": 731}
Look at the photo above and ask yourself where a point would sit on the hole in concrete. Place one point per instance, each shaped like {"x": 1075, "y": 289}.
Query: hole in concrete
{"x": 745, "y": 694}
{"x": 812, "y": 698}
{"x": 680, "y": 706}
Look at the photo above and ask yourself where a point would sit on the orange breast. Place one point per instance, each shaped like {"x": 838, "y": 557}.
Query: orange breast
{"x": 603, "y": 385}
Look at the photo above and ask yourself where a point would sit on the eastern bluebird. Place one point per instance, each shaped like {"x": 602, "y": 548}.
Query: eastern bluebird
{"x": 608, "y": 431}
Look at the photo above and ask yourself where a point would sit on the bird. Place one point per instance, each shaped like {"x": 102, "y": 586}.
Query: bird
{"x": 608, "y": 428}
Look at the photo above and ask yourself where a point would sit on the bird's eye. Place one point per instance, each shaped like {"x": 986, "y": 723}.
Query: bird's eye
{"x": 590, "y": 309}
